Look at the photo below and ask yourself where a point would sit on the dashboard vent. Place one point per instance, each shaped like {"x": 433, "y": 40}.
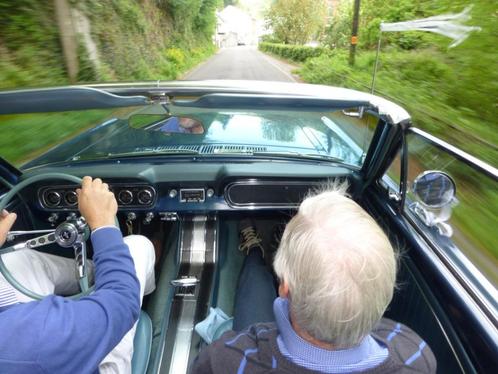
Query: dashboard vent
{"x": 214, "y": 149}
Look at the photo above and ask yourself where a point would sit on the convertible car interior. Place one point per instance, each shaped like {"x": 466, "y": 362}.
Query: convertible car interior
{"x": 187, "y": 192}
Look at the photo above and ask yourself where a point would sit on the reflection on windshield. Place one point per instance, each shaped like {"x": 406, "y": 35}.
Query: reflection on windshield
{"x": 182, "y": 125}
{"x": 330, "y": 135}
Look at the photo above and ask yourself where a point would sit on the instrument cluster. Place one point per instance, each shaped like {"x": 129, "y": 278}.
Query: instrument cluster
{"x": 127, "y": 195}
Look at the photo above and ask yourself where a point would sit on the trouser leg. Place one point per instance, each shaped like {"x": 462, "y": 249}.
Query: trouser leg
{"x": 118, "y": 361}
{"x": 255, "y": 293}
{"x": 43, "y": 273}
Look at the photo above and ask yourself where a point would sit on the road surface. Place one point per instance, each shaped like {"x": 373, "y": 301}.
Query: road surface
{"x": 242, "y": 62}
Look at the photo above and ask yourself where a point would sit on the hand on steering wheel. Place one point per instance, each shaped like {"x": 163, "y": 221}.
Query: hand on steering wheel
{"x": 96, "y": 203}
{"x": 6, "y": 221}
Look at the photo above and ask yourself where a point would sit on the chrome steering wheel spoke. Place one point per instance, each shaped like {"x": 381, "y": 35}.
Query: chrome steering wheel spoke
{"x": 11, "y": 235}
{"x": 39, "y": 241}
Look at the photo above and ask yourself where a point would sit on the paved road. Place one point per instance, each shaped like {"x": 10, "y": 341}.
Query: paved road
{"x": 243, "y": 62}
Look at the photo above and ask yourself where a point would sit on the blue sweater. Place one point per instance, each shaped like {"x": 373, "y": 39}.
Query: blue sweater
{"x": 57, "y": 335}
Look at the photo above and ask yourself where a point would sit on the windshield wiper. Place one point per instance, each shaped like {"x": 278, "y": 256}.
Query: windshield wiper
{"x": 306, "y": 156}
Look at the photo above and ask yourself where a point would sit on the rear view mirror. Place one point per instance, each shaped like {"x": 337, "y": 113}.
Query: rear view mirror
{"x": 434, "y": 189}
{"x": 166, "y": 123}
{"x": 142, "y": 121}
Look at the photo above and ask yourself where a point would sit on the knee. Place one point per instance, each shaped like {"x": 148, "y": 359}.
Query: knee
{"x": 142, "y": 247}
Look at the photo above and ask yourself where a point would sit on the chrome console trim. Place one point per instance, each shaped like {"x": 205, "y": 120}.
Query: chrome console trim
{"x": 197, "y": 254}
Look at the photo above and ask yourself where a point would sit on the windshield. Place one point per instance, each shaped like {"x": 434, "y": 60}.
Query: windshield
{"x": 339, "y": 136}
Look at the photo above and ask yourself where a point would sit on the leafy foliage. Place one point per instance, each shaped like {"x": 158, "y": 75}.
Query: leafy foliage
{"x": 135, "y": 40}
{"x": 296, "y": 21}
{"x": 443, "y": 88}
{"x": 292, "y": 52}
{"x": 423, "y": 83}
{"x": 372, "y": 13}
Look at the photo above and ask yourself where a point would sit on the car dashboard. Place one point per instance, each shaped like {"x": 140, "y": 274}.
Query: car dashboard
{"x": 161, "y": 191}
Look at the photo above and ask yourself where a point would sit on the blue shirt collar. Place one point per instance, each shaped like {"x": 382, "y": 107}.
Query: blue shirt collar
{"x": 301, "y": 350}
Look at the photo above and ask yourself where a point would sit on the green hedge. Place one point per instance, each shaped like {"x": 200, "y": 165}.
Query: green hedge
{"x": 297, "y": 53}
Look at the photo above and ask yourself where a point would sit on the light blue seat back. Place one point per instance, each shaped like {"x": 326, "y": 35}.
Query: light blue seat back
{"x": 142, "y": 344}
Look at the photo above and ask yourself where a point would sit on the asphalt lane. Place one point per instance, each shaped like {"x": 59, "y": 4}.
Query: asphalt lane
{"x": 242, "y": 62}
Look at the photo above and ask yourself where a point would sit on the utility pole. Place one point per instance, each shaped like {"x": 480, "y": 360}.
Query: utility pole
{"x": 354, "y": 33}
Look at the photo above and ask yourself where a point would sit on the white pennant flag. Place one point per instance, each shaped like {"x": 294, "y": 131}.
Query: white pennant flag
{"x": 449, "y": 25}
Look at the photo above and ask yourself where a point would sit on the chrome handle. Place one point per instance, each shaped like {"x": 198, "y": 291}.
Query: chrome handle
{"x": 184, "y": 282}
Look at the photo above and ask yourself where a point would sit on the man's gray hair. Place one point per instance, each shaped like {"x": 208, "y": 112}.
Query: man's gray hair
{"x": 340, "y": 268}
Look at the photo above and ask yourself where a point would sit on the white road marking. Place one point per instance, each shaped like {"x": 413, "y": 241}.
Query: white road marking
{"x": 268, "y": 59}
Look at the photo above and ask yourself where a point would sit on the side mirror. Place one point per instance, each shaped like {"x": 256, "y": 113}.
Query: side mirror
{"x": 435, "y": 192}
{"x": 434, "y": 189}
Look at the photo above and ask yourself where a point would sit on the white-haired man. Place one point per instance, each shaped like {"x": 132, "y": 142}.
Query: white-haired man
{"x": 336, "y": 271}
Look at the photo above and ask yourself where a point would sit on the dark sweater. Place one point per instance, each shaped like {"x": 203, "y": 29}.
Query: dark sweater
{"x": 257, "y": 352}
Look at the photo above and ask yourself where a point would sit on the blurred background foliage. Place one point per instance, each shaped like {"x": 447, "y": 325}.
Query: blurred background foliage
{"x": 135, "y": 40}
{"x": 450, "y": 92}
{"x": 295, "y": 21}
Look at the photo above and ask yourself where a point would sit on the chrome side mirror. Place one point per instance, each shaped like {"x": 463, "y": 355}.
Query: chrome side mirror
{"x": 434, "y": 189}
{"x": 435, "y": 192}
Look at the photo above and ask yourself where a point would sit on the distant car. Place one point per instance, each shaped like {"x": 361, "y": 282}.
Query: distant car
{"x": 241, "y": 43}
{"x": 188, "y": 160}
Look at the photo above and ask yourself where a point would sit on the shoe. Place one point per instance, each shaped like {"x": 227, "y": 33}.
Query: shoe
{"x": 249, "y": 237}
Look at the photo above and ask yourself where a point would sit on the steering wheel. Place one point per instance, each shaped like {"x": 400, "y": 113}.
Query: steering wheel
{"x": 72, "y": 233}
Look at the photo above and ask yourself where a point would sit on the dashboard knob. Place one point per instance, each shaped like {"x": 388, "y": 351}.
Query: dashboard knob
{"x": 173, "y": 193}
{"x": 53, "y": 218}
{"x": 148, "y": 218}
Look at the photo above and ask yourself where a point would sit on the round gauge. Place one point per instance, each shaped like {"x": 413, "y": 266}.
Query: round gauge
{"x": 144, "y": 197}
{"x": 52, "y": 198}
{"x": 125, "y": 197}
{"x": 71, "y": 198}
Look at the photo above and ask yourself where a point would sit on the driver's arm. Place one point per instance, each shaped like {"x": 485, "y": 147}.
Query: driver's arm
{"x": 57, "y": 335}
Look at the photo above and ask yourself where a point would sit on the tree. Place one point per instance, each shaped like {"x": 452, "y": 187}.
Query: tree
{"x": 296, "y": 21}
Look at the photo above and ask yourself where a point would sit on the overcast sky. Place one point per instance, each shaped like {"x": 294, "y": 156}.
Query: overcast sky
{"x": 255, "y": 7}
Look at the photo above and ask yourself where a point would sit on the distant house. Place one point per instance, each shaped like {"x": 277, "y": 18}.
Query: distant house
{"x": 235, "y": 27}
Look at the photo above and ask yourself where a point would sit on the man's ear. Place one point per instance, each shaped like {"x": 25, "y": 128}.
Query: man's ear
{"x": 283, "y": 289}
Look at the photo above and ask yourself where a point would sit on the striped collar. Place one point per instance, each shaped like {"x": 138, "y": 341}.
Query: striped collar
{"x": 368, "y": 354}
{"x": 7, "y": 293}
